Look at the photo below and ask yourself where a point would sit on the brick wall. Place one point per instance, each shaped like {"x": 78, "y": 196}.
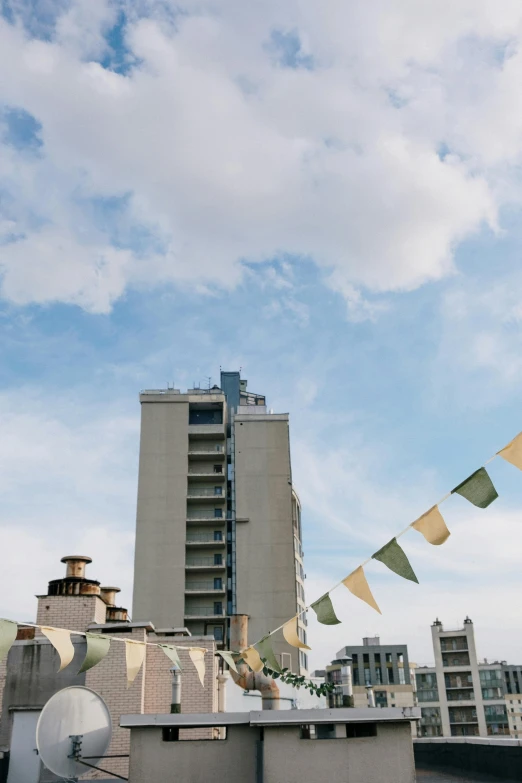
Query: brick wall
{"x": 75, "y": 612}
{"x": 109, "y": 679}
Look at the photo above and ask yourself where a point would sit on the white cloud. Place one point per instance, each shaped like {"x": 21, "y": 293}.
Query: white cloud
{"x": 67, "y": 479}
{"x": 227, "y": 156}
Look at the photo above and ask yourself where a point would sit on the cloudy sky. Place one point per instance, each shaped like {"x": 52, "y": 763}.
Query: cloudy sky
{"x": 326, "y": 195}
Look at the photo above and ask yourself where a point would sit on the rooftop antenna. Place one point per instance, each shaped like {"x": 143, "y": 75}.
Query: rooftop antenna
{"x": 209, "y": 379}
{"x": 73, "y": 733}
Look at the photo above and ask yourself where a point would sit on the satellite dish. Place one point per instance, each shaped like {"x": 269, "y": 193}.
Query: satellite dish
{"x": 74, "y": 723}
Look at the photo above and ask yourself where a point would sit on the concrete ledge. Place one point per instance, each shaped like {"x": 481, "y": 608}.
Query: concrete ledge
{"x": 272, "y": 718}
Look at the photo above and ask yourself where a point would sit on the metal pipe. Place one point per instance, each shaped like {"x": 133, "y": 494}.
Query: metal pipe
{"x": 246, "y": 679}
{"x": 175, "y": 704}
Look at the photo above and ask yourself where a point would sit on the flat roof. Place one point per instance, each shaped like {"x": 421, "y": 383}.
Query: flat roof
{"x": 272, "y": 717}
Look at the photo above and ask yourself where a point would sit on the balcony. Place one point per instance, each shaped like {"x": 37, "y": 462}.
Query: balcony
{"x": 206, "y": 431}
{"x": 204, "y": 474}
{"x": 203, "y": 588}
{"x": 202, "y": 518}
{"x": 198, "y": 453}
{"x": 460, "y": 694}
{"x": 203, "y": 564}
{"x": 204, "y": 540}
{"x": 452, "y": 659}
{"x": 197, "y": 612}
{"x": 206, "y": 494}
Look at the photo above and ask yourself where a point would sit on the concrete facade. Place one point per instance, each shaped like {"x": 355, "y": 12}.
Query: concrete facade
{"x": 514, "y": 714}
{"x": 460, "y": 696}
{"x": 218, "y": 529}
{"x": 363, "y": 746}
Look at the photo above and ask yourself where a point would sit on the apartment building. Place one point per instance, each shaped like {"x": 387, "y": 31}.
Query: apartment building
{"x": 218, "y": 528}
{"x": 459, "y": 696}
{"x": 386, "y": 668}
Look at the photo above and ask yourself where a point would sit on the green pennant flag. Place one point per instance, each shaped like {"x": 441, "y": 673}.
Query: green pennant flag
{"x": 172, "y": 653}
{"x": 478, "y": 489}
{"x": 229, "y": 658}
{"x": 394, "y": 557}
{"x": 325, "y": 611}
{"x": 98, "y": 646}
{"x": 8, "y": 631}
{"x": 264, "y": 647}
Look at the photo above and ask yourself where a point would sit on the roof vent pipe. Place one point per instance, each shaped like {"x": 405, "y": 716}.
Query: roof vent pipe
{"x": 109, "y": 595}
{"x": 246, "y": 679}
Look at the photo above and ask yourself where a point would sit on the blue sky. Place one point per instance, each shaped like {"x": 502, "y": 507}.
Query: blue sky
{"x": 330, "y": 202}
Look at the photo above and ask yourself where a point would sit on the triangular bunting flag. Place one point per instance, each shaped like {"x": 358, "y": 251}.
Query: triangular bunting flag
{"x": 478, "y": 489}
{"x": 394, "y": 557}
{"x": 134, "y": 656}
{"x": 432, "y": 526}
{"x": 252, "y": 658}
{"x": 229, "y": 658}
{"x": 61, "y": 641}
{"x": 290, "y": 634}
{"x": 172, "y": 653}
{"x": 357, "y": 584}
{"x": 8, "y": 631}
{"x": 98, "y": 646}
{"x": 197, "y": 656}
{"x": 325, "y": 611}
{"x": 513, "y": 452}
{"x": 266, "y": 651}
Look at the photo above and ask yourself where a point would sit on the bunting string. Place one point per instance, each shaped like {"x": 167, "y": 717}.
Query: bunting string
{"x": 477, "y": 489}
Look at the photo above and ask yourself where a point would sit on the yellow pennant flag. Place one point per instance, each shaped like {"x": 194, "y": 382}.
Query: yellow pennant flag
{"x": 513, "y": 452}
{"x": 61, "y": 641}
{"x": 291, "y": 636}
{"x": 253, "y": 659}
{"x": 197, "y": 656}
{"x": 134, "y": 657}
{"x": 432, "y": 526}
{"x": 357, "y": 584}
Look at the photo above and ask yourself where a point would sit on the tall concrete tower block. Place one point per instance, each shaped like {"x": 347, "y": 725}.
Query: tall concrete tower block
{"x": 218, "y": 521}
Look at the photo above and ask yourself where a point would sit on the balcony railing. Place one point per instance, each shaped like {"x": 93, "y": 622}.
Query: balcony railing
{"x": 203, "y": 538}
{"x": 206, "y": 492}
{"x": 210, "y": 473}
{"x": 203, "y": 587}
{"x": 207, "y": 450}
{"x": 203, "y": 562}
{"x": 203, "y": 611}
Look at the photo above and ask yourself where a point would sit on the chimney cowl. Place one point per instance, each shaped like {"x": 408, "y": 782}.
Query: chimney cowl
{"x": 76, "y": 565}
{"x": 109, "y": 594}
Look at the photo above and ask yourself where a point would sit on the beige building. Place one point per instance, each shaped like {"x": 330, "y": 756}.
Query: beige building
{"x": 218, "y": 527}
{"x": 29, "y": 675}
{"x": 460, "y": 696}
{"x": 514, "y": 714}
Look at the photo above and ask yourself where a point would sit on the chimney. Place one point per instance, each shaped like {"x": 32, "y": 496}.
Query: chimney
{"x": 74, "y": 582}
{"x": 115, "y": 614}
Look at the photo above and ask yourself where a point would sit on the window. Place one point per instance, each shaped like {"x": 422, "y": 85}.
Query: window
{"x": 400, "y": 657}
{"x": 218, "y": 468}
{"x": 218, "y": 583}
{"x": 402, "y": 679}
{"x": 378, "y": 675}
{"x": 367, "y": 676}
{"x": 218, "y": 559}
{"x": 355, "y": 676}
{"x": 218, "y": 607}
{"x": 390, "y": 676}
{"x": 366, "y": 658}
{"x": 198, "y": 416}
{"x": 218, "y": 633}
{"x": 218, "y": 513}
{"x": 218, "y": 535}
{"x": 338, "y": 731}
{"x": 218, "y": 490}
{"x": 388, "y": 657}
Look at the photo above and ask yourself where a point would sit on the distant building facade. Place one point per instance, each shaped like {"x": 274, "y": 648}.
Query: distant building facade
{"x": 461, "y": 697}
{"x": 386, "y": 668}
{"x": 218, "y": 528}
